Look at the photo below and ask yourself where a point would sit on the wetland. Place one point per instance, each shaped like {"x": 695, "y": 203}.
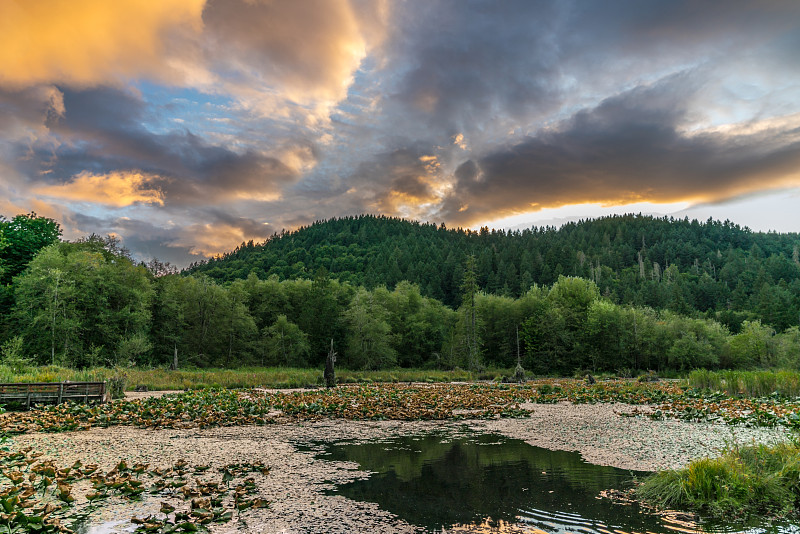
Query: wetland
{"x": 390, "y": 458}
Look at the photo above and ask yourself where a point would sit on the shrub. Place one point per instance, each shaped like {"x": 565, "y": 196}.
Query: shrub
{"x": 11, "y": 354}
{"x": 117, "y": 384}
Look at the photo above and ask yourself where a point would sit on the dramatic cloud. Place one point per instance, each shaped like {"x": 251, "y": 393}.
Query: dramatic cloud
{"x": 27, "y": 110}
{"x": 210, "y": 238}
{"x": 408, "y": 184}
{"x": 309, "y": 50}
{"x": 471, "y": 65}
{"x": 188, "y": 126}
{"x": 104, "y": 130}
{"x": 117, "y": 189}
{"x": 630, "y": 148}
{"x": 90, "y": 42}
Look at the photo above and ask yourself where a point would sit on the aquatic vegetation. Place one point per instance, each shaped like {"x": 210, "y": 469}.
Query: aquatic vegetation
{"x": 407, "y": 402}
{"x": 195, "y": 409}
{"x": 754, "y": 480}
{"x": 671, "y": 400}
{"x": 38, "y": 496}
{"x": 404, "y": 402}
{"x": 695, "y": 406}
{"x": 207, "y": 408}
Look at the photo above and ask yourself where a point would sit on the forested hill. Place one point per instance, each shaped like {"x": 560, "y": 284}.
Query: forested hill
{"x": 651, "y": 294}
{"x": 686, "y": 266}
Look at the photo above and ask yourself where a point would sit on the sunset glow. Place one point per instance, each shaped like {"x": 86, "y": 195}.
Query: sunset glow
{"x": 187, "y": 126}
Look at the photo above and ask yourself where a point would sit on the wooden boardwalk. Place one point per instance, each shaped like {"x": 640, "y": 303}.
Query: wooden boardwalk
{"x": 52, "y": 393}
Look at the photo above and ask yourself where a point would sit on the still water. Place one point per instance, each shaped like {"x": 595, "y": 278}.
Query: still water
{"x": 440, "y": 482}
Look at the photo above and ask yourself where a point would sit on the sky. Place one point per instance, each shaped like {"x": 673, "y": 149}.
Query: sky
{"x": 185, "y": 127}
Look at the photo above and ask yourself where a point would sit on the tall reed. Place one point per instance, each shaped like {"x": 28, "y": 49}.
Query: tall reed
{"x": 271, "y": 377}
{"x": 785, "y": 383}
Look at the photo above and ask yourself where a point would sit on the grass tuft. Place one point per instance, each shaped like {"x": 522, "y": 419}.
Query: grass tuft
{"x": 754, "y": 480}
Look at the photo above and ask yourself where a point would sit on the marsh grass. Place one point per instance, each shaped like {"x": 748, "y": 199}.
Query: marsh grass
{"x": 784, "y": 383}
{"x": 745, "y": 481}
{"x": 270, "y": 377}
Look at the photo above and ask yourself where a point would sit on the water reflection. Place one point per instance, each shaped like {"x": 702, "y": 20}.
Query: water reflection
{"x": 487, "y": 483}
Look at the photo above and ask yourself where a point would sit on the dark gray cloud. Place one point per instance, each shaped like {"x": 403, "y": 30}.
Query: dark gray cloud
{"x": 103, "y": 130}
{"x": 144, "y": 239}
{"x": 487, "y": 69}
{"x": 630, "y": 148}
{"x": 246, "y": 225}
{"x": 642, "y": 27}
{"x": 27, "y": 108}
{"x": 463, "y": 63}
{"x": 395, "y": 183}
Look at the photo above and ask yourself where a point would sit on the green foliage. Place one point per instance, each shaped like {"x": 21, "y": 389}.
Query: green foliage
{"x": 285, "y": 344}
{"x": 752, "y": 346}
{"x": 133, "y": 349}
{"x": 117, "y": 383}
{"x": 542, "y": 333}
{"x": 245, "y": 377}
{"x": 86, "y": 304}
{"x": 76, "y": 298}
{"x": 715, "y": 268}
{"x": 756, "y": 480}
{"x": 369, "y": 340}
{"x": 206, "y": 323}
{"x": 12, "y": 355}
{"x": 419, "y": 325}
{"x": 604, "y": 325}
{"x": 20, "y": 239}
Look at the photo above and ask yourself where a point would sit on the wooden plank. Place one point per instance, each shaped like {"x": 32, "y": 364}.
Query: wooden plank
{"x": 52, "y": 392}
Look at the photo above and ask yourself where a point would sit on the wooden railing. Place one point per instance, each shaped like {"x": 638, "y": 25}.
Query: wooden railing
{"x": 52, "y": 392}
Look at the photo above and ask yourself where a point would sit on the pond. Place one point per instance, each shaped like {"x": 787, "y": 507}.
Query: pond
{"x": 438, "y": 482}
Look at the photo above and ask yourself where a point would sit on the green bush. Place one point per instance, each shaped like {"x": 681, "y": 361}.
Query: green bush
{"x": 12, "y": 355}
{"x": 116, "y": 385}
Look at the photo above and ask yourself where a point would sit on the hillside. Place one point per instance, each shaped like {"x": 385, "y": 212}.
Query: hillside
{"x": 687, "y": 266}
{"x": 652, "y": 294}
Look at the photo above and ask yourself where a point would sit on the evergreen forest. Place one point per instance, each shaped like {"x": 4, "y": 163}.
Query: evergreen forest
{"x": 619, "y": 294}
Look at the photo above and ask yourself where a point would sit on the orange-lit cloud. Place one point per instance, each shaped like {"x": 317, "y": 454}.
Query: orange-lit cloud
{"x": 276, "y": 54}
{"x": 630, "y": 148}
{"x": 115, "y": 189}
{"x": 90, "y": 42}
{"x": 219, "y": 237}
{"x": 404, "y": 183}
{"x": 198, "y": 120}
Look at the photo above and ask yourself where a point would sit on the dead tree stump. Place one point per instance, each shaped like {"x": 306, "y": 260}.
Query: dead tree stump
{"x": 330, "y": 374}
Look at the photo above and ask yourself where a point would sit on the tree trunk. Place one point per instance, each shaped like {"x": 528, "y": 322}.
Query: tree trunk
{"x": 283, "y": 348}
{"x": 329, "y": 374}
